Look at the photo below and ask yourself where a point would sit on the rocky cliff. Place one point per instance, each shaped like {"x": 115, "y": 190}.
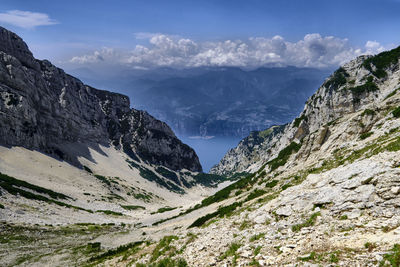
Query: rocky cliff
{"x": 361, "y": 82}
{"x": 42, "y": 107}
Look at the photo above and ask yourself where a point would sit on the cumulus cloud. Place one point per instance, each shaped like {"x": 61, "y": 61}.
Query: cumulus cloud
{"x": 26, "y": 19}
{"x": 162, "y": 50}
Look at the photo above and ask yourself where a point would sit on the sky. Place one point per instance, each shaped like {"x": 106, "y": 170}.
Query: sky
{"x": 184, "y": 33}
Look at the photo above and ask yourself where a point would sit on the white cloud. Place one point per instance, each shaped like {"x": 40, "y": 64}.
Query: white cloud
{"x": 313, "y": 50}
{"x": 26, "y": 19}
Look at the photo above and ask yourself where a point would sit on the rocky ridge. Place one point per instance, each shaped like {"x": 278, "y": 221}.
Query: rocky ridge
{"x": 344, "y": 92}
{"x": 44, "y": 108}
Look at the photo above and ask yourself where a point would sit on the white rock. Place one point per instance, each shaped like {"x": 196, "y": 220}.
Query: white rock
{"x": 395, "y": 190}
{"x": 284, "y": 211}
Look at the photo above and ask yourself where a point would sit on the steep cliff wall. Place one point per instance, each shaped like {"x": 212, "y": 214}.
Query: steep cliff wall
{"x": 42, "y": 107}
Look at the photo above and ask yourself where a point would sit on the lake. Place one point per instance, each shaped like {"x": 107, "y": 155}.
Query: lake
{"x": 210, "y": 150}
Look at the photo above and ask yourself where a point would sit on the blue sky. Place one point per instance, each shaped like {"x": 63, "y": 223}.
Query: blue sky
{"x": 207, "y": 32}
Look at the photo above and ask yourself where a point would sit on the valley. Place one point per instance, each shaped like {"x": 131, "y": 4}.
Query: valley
{"x": 86, "y": 180}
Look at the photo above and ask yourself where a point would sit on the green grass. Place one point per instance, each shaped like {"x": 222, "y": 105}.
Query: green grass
{"x": 2, "y": 206}
{"x": 256, "y": 237}
{"x": 233, "y": 247}
{"x": 132, "y": 207}
{"x": 392, "y": 93}
{"x": 284, "y": 155}
{"x": 163, "y": 247}
{"x": 309, "y": 222}
{"x": 311, "y": 257}
{"x": 257, "y": 250}
{"x": 393, "y": 146}
{"x": 393, "y": 257}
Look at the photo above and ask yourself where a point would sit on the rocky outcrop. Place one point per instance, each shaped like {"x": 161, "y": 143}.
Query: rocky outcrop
{"x": 42, "y": 107}
{"x": 351, "y": 88}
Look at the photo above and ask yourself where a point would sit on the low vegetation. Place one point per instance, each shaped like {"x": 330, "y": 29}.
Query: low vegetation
{"x": 367, "y": 87}
{"x": 366, "y": 135}
{"x": 284, "y": 155}
{"x": 110, "y": 212}
{"x": 368, "y": 112}
{"x": 396, "y": 112}
{"x": 115, "y": 252}
{"x": 297, "y": 121}
{"x": 309, "y": 222}
{"x": 164, "y": 209}
{"x": 133, "y": 207}
{"x": 338, "y": 79}
{"x": 221, "y": 212}
{"x": 392, "y": 258}
{"x": 382, "y": 62}
{"x": 233, "y": 248}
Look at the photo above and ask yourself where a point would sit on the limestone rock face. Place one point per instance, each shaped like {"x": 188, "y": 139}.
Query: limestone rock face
{"x": 42, "y": 107}
{"x": 344, "y": 92}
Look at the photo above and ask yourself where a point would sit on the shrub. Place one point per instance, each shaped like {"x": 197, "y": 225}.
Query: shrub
{"x": 369, "y": 86}
{"x": 338, "y": 78}
{"x": 221, "y": 212}
{"x": 2, "y": 206}
{"x": 208, "y": 179}
{"x": 164, "y": 209}
{"x": 132, "y": 207}
{"x": 382, "y": 61}
{"x": 116, "y": 251}
{"x": 368, "y": 112}
{"x": 87, "y": 169}
{"x": 297, "y": 121}
{"x": 168, "y": 174}
{"x": 110, "y": 212}
{"x": 366, "y": 135}
{"x": 286, "y": 186}
{"x": 370, "y": 246}
{"x": 103, "y": 179}
{"x": 272, "y": 184}
{"x": 396, "y": 112}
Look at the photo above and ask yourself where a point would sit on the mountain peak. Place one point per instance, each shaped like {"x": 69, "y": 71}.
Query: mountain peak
{"x": 12, "y": 44}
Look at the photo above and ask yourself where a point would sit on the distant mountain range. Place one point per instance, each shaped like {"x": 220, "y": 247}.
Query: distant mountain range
{"x": 215, "y": 101}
